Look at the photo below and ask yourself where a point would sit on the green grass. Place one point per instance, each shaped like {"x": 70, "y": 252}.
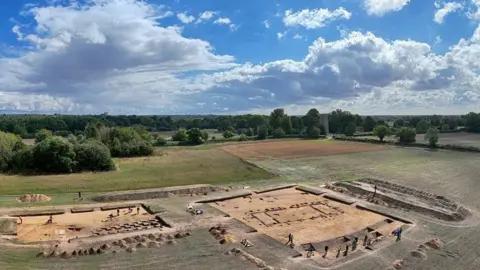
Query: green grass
{"x": 172, "y": 168}
{"x": 57, "y": 199}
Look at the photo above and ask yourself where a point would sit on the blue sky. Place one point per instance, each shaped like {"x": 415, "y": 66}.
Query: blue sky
{"x": 228, "y": 57}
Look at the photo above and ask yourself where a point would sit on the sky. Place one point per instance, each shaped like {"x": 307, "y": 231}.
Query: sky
{"x": 370, "y": 57}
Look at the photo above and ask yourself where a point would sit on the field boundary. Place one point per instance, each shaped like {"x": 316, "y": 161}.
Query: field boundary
{"x": 312, "y": 190}
{"x": 81, "y": 210}
{"x": 144, "y": 194}
{"x": 38, "y": 213}
{"x": 451, "y": 147}
{"x": 224, "y": 198}
{"x": 275, "y": 188}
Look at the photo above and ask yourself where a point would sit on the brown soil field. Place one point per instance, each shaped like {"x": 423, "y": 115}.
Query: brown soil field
{"x": 35, "y": 228}
{"x": 296, "y": 149}
{"x": 310, "y": 218}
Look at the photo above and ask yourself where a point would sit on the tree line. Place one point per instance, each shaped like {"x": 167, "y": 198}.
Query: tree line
{"x": 91, "y": 151}
{"x": 27, "y": 126}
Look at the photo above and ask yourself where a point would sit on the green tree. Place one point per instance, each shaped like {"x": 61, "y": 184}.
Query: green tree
{"x": 312, "y": 118}
{"x": 228, "y": 134}
{"x": 368, "y": 124}
{"x": 257, "y": 121}
{"x": 54, "y": 155}
{"x": 381, "y": 132}
{"x": 20, "y": 130}
{"x": 262, "y": 132}
{"x": 286, "y": 125}
{"x": 180, "y": 136}
{"x": 195, "y": 136}
{"x": 9, "y": 145}
{"x": 278, "y": 133}
{"x": 314, "y": 132}
{"x": 42, "y": 135}
{"x": 398, "y": 123}
{"x": 22, "y": 160}
{"x": 249, "y": 132}
{"x": 432, "y": 137}
{"x": 405, "y": 135}
{"x": 205, "y": 135}
{"x": 93, "y": 155}
{"x": 350, "y": 129}
{"x": 422, "y": 126}
{"x": 72, "y": 139}
{"x": 160, "y": 141}
{"x": 445, "y": 127}
{"x": 276, "y": 117}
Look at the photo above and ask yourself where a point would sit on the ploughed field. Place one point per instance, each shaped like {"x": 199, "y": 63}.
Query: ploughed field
{"x": 286, "y": 149}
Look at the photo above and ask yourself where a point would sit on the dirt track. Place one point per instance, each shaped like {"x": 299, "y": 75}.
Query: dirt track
{"x": 296, "y": 149}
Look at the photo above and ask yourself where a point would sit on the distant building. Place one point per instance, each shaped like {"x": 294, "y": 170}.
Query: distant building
{"x": 324, "y": 123}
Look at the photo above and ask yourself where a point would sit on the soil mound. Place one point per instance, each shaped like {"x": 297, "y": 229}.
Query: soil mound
{"x": 398, "y": 264}
{"x": 28, "y": 198}
{"x": 434, "y": 243}
{"x": 418, "y": 254}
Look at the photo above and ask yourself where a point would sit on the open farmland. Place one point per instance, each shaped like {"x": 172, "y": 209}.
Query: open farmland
{"x": 265, "y": 217}
{"x": 287, "y": 149}
{"x": 167, "y": 168}
{"x": 456, "y": 138}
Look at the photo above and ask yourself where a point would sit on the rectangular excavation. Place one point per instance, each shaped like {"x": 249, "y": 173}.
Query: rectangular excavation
{"x": 73, "y": 224}
{"x": 311, "y": 218}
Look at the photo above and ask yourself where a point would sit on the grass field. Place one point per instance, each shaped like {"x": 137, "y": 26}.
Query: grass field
{"x": 168, "y": 168}
{"x": 459, "y": 138}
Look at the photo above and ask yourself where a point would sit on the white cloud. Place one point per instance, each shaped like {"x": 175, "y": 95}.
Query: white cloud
{"x": 281, "y": 35}
{"x": 226, "y": 21}
{"x": 266, "y": 24}
{"x": 205, "y": 16}
{"x": 438, "y": 39}
{"x": 297, "y": 36}
{"x": 222, "y": 20}
{"x": 185, "y": 18}
{"x": 360, "y": 72}
{"x": 447, "y": 8}
{"x": 315, "y": 18}
{"x": 118, "y": 56}
{"x": 474, "y": 11}
{"x": 111, "y": 55}
{"x": 382, "y": 7}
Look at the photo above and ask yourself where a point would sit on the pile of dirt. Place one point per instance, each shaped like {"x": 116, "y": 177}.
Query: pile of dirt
{"x": 249, "y": 257}
{"x": 398, "y": 264}
{"x": 29, "y": 198}
{"x": 339, "y": 189}
{"x": 418, "y": 254}
{"x": 221, "y": 234}
{"x": 422, "y": 249}
{"x": 434, "y": 243}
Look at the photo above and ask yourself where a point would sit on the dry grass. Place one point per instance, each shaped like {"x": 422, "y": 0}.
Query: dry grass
{"x": 171, "y": 168}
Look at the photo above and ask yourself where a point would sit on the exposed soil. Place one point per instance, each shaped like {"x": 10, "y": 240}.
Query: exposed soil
{"x": 73, "y": 225}
{"x": 29, "y": 198}
{"x": 310, "y": 218}
{"x": 296, "y": 149}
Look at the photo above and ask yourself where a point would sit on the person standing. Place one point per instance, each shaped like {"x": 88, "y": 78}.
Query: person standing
{"x": 399, "y": 234}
